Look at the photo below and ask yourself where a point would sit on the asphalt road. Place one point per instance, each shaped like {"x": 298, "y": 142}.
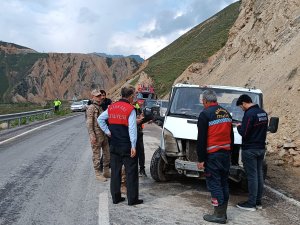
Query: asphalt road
{"x": 46, "y": 177}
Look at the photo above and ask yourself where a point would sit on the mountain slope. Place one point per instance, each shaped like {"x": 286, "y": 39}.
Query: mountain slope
{"x": 26, "y": 75}
{"x": 196, "y": 45}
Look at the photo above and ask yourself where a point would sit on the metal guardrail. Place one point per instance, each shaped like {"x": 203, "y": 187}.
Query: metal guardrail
{"x": 18, "y": 116}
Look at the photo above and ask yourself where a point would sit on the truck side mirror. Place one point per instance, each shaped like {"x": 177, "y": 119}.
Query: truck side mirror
{"x": 273, "y": 124}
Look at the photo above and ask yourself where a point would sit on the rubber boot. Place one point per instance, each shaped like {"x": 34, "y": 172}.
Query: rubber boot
{"x": 219, "y": 215}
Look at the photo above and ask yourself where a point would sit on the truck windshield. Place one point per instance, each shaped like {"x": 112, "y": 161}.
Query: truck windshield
{"x": 186, "y": 101}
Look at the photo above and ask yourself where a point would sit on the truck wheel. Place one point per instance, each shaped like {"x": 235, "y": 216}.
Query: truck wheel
{"x": 158, "y": 167}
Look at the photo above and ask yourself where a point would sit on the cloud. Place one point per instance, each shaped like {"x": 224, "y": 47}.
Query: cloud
{"x": 87, "y": 16}
{"x": 114, "y": 26}
{"x": 128, "y": 43}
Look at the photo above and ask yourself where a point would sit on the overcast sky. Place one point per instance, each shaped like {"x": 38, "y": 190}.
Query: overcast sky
{"x": 124, "y": 27}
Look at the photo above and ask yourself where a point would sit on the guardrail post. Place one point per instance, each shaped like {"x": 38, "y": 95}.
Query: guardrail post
{"x": 20, "y": 121}
{"x": 8, "y": 124}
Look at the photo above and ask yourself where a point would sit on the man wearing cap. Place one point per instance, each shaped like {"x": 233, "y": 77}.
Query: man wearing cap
{"x": 98, "y": 138}
{"x": 123, "y": 131}
{"x": 254, "y": 132}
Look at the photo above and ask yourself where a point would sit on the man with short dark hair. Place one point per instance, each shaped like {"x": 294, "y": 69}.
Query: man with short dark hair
{"x": 214, "y": 145}
{"x": 105, "y": 101}
{"x": 104, "y": 105}
{"x": 122, "y": 129}
{"x": 253, "y": 130}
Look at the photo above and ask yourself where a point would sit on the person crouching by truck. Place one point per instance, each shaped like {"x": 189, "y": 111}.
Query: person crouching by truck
{"x": 214, "y": 145}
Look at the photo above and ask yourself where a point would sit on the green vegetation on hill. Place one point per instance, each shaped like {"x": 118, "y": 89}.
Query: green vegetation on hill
{"x": 14, "y": 67}
{"x": 197, "y": 45}
{"x": 6, "y": 44}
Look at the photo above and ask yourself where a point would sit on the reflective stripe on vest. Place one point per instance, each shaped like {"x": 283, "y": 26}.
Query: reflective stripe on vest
{"x": 218, "y": 121}
{"x": 219, "y": 132}
{"x": 217, "y": 147}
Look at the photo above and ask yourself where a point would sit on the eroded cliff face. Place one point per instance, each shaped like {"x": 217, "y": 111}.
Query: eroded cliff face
{"x": 263, "y": 51}
{"x": 69, "y": 76}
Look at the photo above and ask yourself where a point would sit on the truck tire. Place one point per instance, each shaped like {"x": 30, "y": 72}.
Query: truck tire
{"x": 158, "y": 167}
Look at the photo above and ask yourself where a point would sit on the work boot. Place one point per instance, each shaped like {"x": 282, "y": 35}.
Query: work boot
{"x": 123, "y": 188}
{"x": 106, "y": 172}
{"x": 219, "y": 215}
{"x": 100, "y": 177}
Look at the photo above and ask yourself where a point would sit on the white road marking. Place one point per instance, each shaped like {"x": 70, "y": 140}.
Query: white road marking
{"x": 26, "y": 132}
{"x": 103, "y": 209}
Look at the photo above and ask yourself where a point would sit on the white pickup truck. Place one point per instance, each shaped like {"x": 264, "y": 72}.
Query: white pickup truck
{"x": 177, "y": 151}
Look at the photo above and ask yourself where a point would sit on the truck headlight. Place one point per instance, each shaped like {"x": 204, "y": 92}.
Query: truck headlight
{"x": 170, "y": 144}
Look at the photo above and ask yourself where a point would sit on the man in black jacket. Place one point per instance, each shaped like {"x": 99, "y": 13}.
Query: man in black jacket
{"x": 106, "y": 101}
{"x": 253, "y": 131}
{"x": 104, "y": 105}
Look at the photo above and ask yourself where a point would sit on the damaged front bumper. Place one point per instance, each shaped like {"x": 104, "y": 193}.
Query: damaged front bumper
{"x": 190, "y": 169}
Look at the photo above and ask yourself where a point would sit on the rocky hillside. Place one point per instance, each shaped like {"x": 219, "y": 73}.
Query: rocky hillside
{"x": 263, "y": 51}
{"x": 26, "y": 75}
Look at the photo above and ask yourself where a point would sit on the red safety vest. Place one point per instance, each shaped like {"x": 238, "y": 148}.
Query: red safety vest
{"x": 119, "y": 112}
{"x": 219, "y": 129}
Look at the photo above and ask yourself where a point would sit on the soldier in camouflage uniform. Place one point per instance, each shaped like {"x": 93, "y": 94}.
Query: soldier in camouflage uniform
{"x": 97, "y": 137}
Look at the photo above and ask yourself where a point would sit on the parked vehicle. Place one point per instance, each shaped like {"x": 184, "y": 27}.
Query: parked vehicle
{"x": 177, "y": 151}
{"x": 163, "y": 106}
{"x": 86, "y": 102}
{"x": 79, "y": 106}
{"x": 145, "y": 92}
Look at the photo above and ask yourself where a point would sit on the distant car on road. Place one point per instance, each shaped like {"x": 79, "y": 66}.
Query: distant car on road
{"x": 86, "y": 102}
{"x": 79, "y": 106}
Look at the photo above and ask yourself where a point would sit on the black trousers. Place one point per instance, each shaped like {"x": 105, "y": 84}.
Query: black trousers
{"x": 140, "y": 150}
{"x": 118, "y": 157}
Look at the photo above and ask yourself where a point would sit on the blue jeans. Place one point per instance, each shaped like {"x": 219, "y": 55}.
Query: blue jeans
{"x": 216, "y": 171}
{"x": 253, "y": 165}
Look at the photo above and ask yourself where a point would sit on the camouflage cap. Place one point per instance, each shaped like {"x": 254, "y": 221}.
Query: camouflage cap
{"x": 96, "y": 92}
